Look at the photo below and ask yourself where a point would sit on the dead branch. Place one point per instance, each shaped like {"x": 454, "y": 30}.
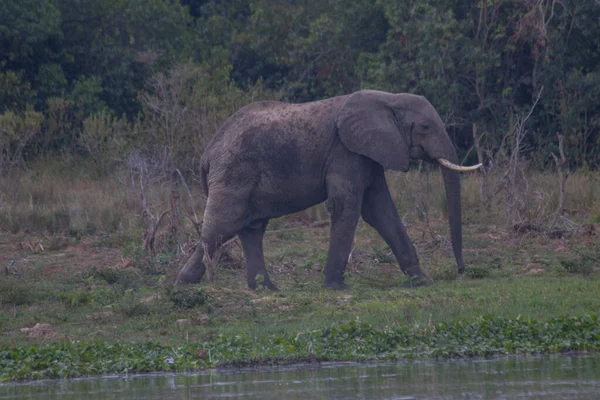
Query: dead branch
{"x": 197, "y": 223}
{"x": 515, "y": 171}
{"x": 141, "y": 172}
{"x": 485, "y": 171}
{"x": 174, "y": 204}
{"x": 562, "y": 174}
{"x": 573, "y": 248}
{"x": 150, "y": 234}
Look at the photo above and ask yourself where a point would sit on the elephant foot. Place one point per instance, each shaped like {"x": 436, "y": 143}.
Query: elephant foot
{"x": 263, "y": 279}
{"x": 418, "y": 280}
{"x": 336, "y": 285}
{"x": 193, "y": 270}
{"x": 187, "y": 276}
{"x": 267, "y": 284}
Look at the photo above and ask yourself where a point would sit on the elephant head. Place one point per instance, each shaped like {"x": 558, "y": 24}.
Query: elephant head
{"x": 393, "y": 128}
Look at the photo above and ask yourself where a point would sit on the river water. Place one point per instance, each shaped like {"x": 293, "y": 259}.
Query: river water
{"x": 554, "y": 377}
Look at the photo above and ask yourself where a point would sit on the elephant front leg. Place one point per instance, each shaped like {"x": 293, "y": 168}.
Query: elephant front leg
{"x": 379, "y": 211}
{"x": 252, "y": 244}
{"x": 194, "y": 269}
{"x": 345, "y": 213}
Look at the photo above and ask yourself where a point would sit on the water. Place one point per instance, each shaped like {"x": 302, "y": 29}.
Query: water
{"x": 555, "y": 377}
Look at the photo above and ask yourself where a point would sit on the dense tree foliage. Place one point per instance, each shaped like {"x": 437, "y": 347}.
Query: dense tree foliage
{"x": 68, "y": 67}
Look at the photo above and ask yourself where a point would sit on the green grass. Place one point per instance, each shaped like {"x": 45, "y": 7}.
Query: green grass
{"x": 111, "y": 307}
{"x": 355, "y": 340}
{"x": 115, "y": 321}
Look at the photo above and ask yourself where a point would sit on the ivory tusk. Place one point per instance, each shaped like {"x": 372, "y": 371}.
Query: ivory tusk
{"x": 455, "y": 167}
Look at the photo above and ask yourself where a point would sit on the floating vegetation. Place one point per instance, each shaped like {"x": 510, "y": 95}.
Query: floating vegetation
{"x": 484, "y": 336}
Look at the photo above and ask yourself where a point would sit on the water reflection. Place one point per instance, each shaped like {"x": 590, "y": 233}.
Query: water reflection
{"x": 556, "y": 377}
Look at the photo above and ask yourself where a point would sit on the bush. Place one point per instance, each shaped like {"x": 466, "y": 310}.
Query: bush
{"x": 578, "y": 266}
{"x": 132, "y": 307}
{"x": 75, "y": 298}
{"x": 477, "y": 271}
{"x": 124, "y": 277}
{"x": 148, "y": 263}
{"x": 186, "y": 296}
{"x": 14, "y": 291}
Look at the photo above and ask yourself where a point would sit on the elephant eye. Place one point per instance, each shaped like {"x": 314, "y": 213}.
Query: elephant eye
{"x": 425, "y": 127}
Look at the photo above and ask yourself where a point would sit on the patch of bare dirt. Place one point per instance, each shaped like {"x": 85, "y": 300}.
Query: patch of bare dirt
{"x": 26, "y": 250}
{"x": 41, "y": 331}
{"x": 150, "y": 298}
{"x": 100, "y": 316}
{"x": 535, "y": 271}
{"x": 272, "y": 302}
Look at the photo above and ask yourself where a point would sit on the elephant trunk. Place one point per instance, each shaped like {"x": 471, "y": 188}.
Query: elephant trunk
{"x": 452, "y": 183}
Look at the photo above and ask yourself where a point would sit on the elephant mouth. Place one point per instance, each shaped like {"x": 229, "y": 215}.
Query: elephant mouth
{"x": 455, "y": 167}
{"x": 417, "y": 153}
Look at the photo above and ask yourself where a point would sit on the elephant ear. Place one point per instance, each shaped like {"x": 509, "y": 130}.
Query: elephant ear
{"x": 367, "y": 126}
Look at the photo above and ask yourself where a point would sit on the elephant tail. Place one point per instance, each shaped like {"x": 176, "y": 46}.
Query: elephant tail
{"x": 203, "y": 177}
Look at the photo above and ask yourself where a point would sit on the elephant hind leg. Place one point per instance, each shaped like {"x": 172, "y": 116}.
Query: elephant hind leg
{"x": 252, "y": 243}
{"x": 224, "y": 217}
{"x": 379, "y": 211}
{"x": 204, "y": 259}
{"x": 194, "y": 268}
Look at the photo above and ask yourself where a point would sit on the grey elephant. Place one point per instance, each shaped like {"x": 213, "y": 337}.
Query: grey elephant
{"x": 271, "y": 159}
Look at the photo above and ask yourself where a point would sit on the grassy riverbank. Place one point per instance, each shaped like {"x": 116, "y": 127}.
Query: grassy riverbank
{"x": 74, "y": 301}
{"x": 353, "y": 341}
{"x": 103, "y": 321}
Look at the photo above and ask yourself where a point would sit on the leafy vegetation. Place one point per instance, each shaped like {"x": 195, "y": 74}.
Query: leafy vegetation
{"x": 354, "y": 340}
{"x": 63, "y": 316}
{"x": 101, "y": 100}
{"x": 186, "y": 296}
{"x": 105, "y": 77}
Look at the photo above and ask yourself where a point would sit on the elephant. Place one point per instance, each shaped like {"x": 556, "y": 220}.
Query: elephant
{"x": 273, "y": 158}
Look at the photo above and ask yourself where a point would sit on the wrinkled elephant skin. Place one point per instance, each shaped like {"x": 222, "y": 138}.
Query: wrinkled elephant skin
{"x": 271, "y": 159}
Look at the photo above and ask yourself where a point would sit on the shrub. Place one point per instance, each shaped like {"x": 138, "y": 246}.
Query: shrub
{"x": 477, "y": 271}
{"x": 131, "y": 307}
{"x": 447, "y": 271}
{"x": 578, "y": 266}
{"x": 125, "y": 277}
{"x": 186, "y": 296}
{"x": 75, "y": 298}
{"x": 14, "y": 291}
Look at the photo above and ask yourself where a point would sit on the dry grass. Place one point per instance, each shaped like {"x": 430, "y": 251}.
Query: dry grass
{"x": 539, "y": 196}
{"x": 51, "y": 201}
{"x": 68, "y": 200}
{"x": 106, "y": 287}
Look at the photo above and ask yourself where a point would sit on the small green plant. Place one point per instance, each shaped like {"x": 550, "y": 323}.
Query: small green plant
{"x": 147, "y": 263}
{"x": 308, "y": 263}
{"x": 109, "y": 275}
{"x": 384, "y": 255}
{"x": 126, "y": 278}
{"x": 56, "y": 243}
{"x": 130, "y": 306}
{"x": 186, "y": 296}
{"x": 75, "y": 298}
{"x": 578, "y": 266}
{"x": 105, "y": 296}
{"x": 445, "y": 272}
{"x": 477, "y": 271}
